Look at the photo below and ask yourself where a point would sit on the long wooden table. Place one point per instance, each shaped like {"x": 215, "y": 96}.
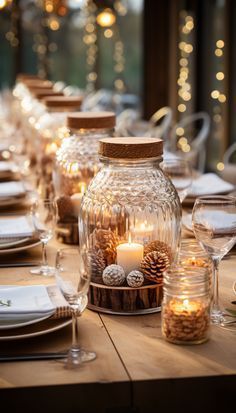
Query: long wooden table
{"x": 136, "y": 370}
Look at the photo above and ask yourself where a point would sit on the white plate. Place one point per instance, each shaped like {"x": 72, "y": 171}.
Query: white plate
{"x": 17, "y": 249}
{"x": 34, "y": 330}
{"x": 24, "y": 323}
{"x": 12, "y": 201}
{"x": 12, "y": 243}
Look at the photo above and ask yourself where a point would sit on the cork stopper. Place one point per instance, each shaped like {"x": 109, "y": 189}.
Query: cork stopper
{"x": 63, "y": 101}
{"x": 43, "y": 93}
{"x": 38, "y": 83}
{"x": 92, "y": 120}
{"x": 131, "y": 148}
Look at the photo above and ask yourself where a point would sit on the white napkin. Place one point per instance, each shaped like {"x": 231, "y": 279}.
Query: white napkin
{"x": 209, "y": 184}
{"x": 12, "y": 188}
{"x": 6, "y": 166}
{"x": 26, "y": 303}
{"x": 19, "y": 227}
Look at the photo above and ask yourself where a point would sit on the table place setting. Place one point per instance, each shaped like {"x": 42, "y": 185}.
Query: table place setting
{"x": 8, "y": 169}
{"x": 17, "y": 233}
{"x": 31, "y": 310}
{"x": 12, "y": 193}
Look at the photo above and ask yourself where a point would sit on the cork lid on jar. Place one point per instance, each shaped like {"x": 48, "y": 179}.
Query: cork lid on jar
{"x": 63, "y": 101}
{"x": 39, "y": 83}
{"x": 91, "y": 120}
{"x": 131, "y": 148}
{"x": 43, "y": 93}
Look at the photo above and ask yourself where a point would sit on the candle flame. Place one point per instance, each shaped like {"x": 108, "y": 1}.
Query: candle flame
{"x": 186, "y": 302}
{"x": 83, "y": 188}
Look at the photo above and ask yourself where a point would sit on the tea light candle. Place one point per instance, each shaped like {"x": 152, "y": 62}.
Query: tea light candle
{"x": 129, "y": 256}
{"x": 185, "y": 321}
{"x": 77, "y": 198}
{"x": 142, "y": 231}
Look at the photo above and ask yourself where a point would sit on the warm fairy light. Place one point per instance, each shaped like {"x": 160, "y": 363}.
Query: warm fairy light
{"x": 222, "y": 98}
{"x": 220, "y": 166}
{"x": 54, "y": 24}
{"x": 220, "y": 44}
{"x": 220, "y": 75}
{"x": 3, "y": 3}
{"x": 108, "y": 33}
{"x": 218, "y": 52}
{"x": 186, "y": 148}
{"x": 179, "y": 131}
{"x": 106, "y": 18}
{"x": 215, "y": 94}
{"x": 183, "y": 141}
{"x": 181, "y": 107}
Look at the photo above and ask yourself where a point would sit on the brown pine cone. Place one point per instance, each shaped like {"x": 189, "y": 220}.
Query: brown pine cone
{"x": 154, "y": 264}
{"x": 106, "y": 241}
{"x": 159, "y": 246}
{"x": 65, "y": 207}
{"x": 97, "y": 265}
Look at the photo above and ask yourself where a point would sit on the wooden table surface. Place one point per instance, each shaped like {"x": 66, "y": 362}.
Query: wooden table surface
{"x": 136, "y": 370}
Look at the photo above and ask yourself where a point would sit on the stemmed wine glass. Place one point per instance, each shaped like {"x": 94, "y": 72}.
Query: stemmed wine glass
{"x": 44, "y": 216}
{"x": 180, "y": 173}
{"x": 73, "y": 281}
{"x": 214, "y": 226}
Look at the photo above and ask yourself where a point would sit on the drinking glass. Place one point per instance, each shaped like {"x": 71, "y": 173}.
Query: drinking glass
{"x": 73, "y": 281}
{"x": 44, "y": 216}
{"x": 214, "y": 226}
{"x": 180, "y": 173}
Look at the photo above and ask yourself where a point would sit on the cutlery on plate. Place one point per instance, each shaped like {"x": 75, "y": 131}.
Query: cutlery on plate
{"x": 32, "y": 356}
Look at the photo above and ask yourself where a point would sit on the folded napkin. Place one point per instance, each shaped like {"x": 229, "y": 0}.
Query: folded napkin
{"x": 24, "y": 303}
{"x": 6, "y": 166}
{"x": 209, "y": 184}
{"x": 12, "y": 188}
{"x": 19, "y": 227}
{"x": 19, "y": 304}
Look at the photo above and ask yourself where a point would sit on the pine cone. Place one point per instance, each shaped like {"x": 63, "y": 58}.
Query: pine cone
{"x": 97, "y": 265}
{"x": 113, "y": 275}
{"x": 106, "y": 241}
{"x": 159, "y": 246}
{"x": 154, "y": 264}
{"x": 65, "y": 207}
{"x": 135, "y": 279}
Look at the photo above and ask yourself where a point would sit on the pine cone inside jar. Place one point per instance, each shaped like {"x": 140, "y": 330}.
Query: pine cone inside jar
{"x": 105, "y": 241}
{"x": 159, "y": 246}
{"x": 65, "y": 208}
{"x": 153, "y": 265}
{"x": 97, "y": 265}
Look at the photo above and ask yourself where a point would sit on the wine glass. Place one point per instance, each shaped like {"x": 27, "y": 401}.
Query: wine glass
{"x": 180, "y": 173}
{"x": 73, "y": 281}
{"x": 44, "y": 215}
{"x": 214, "y": 226}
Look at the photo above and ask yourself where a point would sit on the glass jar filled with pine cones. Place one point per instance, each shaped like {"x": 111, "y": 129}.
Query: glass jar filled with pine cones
{"x": 129, "y": 226}
{"x": 76, "y": 163}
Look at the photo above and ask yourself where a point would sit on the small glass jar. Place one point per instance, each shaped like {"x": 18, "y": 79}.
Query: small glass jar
{"x": 186, "y": 305}
{"x": 76, "y": 163}
{"x": 129, "y": 224}
{"x": 191, "y": 254}
{"x": 49, "y": 129}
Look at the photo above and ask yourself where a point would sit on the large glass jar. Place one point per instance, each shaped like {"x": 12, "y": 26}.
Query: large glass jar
{"x": 186, "y": 305}
{"x": 77, "y": 162}
{"x": 129, "y": 226}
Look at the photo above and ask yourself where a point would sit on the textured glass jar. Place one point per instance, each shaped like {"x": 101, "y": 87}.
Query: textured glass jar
{"x": 191, "y": 254}
{"x": 186, "y": 305}
{"x": 49, "y": 130}
{"x": 76, "y": 163}
{"x": 130, "y": 217}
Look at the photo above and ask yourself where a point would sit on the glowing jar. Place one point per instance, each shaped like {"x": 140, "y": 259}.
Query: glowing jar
{"x": 186, "y": 305}
{"x": 76, "y": 163}
{"x": 129, "y": 226}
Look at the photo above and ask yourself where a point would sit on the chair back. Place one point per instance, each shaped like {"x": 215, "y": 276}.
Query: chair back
{"x": 197, "y": 153}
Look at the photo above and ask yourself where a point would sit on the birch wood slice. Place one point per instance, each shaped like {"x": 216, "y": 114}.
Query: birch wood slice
{"x": 125, "y": 300}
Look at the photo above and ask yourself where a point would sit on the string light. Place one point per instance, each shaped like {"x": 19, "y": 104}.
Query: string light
{"x": 184, "y": 86}
{"x": 106, "y": 18}
{"x": 90, "y": 40}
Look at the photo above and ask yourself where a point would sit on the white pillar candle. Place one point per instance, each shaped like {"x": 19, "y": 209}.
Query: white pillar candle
{"x": 129, "y": 256}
